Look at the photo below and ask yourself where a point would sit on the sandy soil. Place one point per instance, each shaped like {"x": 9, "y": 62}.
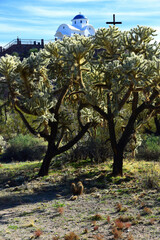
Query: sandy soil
{"x": 43, "y": 209}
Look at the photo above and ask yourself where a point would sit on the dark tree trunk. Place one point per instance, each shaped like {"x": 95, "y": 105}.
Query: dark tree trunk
{"x": 118, "y": 164}
{"x": 47, "y": 160}
{"x": 118, "y": 147}
{"x": 53, "y": 150}
{"x": 157, "y": 123}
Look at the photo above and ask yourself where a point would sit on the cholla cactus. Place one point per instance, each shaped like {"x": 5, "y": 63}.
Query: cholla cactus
{"x": 76, "y": 52}
{"x": 66, "y": 88}
{"x": 109, "y": 40}
{"x": 126, "y": 78}
{"x": 139, "y": 39}
{"x": 40, "y": 86}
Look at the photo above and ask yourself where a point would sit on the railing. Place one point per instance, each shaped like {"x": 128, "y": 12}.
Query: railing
{"x": 18, "y": 41}
{"x": 13, "y": 42}
{"x": 23, "y": 41}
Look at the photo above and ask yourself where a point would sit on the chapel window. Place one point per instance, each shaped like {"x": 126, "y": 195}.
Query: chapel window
{"x": 81, "y": 21}
{"x": 75, "y": 22}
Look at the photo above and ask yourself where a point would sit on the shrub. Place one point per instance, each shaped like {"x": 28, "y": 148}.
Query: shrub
{"x": 23, "y": 148}
{"x": 150, "y": 148}
{"x": 151, "y": 180}
{"x": 94, "y": 149}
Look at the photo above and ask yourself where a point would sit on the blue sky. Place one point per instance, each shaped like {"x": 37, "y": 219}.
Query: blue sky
{"x": 37, "y": 19}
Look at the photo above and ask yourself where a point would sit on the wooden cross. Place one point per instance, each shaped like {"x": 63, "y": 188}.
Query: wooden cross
{"x": 114, "y": 22}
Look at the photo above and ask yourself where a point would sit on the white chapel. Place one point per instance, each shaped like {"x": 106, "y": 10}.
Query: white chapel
{"x": 80, "y": 25}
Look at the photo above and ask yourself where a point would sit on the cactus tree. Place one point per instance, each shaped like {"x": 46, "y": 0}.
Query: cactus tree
{"x": 40, "y": 86}
{"x": 124, "y": 85}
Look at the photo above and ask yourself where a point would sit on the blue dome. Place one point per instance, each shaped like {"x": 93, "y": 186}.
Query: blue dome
{"x": 79, "y": 16}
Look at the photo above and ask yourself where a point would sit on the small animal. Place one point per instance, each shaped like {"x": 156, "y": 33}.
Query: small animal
{"x": 80, "y": 188}
{"x": 73, "y": 189}
{"x": 77, "y": 189}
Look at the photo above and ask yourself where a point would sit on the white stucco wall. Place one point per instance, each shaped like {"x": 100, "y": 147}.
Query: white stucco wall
{"x": 80, "y": 25}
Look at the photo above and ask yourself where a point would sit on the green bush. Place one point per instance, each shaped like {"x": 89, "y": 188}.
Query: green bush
{"x": 24, "y": 148}
{"x": 93, "y": 149}
{"x": 150, "y": 148}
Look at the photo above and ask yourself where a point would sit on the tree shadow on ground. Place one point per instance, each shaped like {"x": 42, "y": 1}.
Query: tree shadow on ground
{"x": 11, "y": 200}
{"x": 16, "y": 195}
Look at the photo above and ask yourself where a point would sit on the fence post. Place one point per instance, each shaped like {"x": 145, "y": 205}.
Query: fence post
{"x": 18, "y": 41}
{"x": 42, "y": 42}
